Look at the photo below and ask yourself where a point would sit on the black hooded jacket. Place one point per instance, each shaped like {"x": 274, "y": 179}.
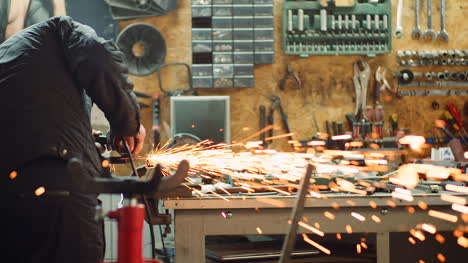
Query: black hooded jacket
{"x": 46, "y": 73}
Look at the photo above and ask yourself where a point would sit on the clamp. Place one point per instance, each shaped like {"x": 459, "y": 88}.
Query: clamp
{"x": 293, "y": 75}
{"x": 277, "y": 105}
{"x": 361, "y": 83}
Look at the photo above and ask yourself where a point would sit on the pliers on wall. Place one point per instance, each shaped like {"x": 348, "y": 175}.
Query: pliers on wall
{"x": 361, "y": 82}
{"x": 382, "y": 84}
{"x": 284, "y": 118}
{"x": 290, "y": 74}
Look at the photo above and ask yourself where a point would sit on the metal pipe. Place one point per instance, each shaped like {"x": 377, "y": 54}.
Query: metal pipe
{"x": 290, "y": 240}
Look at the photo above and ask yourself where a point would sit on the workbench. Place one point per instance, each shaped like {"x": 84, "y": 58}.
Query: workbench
{"x": 198, "y": 217}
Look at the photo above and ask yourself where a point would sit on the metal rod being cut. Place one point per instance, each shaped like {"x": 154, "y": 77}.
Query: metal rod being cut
{"x": 290, "y": 240}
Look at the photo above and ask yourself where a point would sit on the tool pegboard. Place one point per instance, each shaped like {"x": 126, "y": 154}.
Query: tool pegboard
{"x": 312, "y": 28}
{"x": 327, "y": 81}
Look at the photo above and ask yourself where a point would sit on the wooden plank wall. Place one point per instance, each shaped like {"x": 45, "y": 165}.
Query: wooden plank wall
{"x": 328, "y": 89}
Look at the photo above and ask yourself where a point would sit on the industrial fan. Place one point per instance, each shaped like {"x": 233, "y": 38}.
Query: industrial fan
{"x": 144, "y": 48}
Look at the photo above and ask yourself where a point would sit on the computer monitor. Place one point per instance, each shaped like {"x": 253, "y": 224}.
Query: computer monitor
{"x": 207, "y": 117}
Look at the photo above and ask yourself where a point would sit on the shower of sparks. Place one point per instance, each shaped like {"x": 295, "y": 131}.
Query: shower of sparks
{"x": 453, "y": 199}
{"x": 458, "y": 233}
{"x": 463, "y": 242}
{"x": 440, "y": 238}
{"x": 441, "y": 257}
{"x": 220, "y": 196}
{"x": 457, "y": 188}
{"x": 279, "y": 136}
{"x": 254, "y": 169}
{"x": 364, "y": 245}
{"x": 315, "y": 194}
{"x": 335, "y": 205}
{"x": 443, "y": 216}
{"x": 105, "y": 163}
{"x": 341, "y": 137}
{"x": 358, "y": 216}
{"x": 264, "y": 130}
{"x": 13, "y": 175}
{"x": 315, "y": 244}
{"x": 422, "y": 205}
{"x": 418, "y": 234}
{"x": 429, "y": 228}
{"x": 376, "y": 219}
{"x": 259, "y": 230}
{"x": 329, "y": 215}
{"x": 415, "y": 142}
{"x": 39, "y": 191}
{"x": 402, "y": 196}
{"x": 460, "y": 208}
{"x": 311, "y": 228}
{"x": 257, "y": 170}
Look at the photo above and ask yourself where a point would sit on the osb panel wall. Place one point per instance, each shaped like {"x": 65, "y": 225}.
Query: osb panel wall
{"x": 328, "y": 88}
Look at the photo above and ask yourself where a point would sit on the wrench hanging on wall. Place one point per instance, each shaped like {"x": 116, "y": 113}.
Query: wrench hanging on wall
{"x": 443, "y": 35}
{"x": 429, "y": 34}
{"x": 417, "y": 33}
{"x": 399, "y": 25}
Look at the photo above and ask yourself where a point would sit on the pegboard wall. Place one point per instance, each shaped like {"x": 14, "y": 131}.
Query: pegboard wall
{"x": 328, "y": 90}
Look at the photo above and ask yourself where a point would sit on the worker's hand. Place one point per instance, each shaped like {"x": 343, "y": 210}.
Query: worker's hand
{"x": 135, "y": 143}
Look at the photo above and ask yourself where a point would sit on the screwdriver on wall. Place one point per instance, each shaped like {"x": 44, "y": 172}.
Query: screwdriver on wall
{"x": 451, "y": 121}
{"x": 441, "y": 125}
{"x": 453, "y": 110}
{"x": 394, "y": 123}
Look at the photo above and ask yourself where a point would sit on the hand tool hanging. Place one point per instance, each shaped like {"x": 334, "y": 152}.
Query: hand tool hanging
{"x": 361, "y": 82}
{"x": 399, "y": 25}
{"x": 443, "y": 35}
{"x": 382, "y": 84}
{"x": 263, "y": 124}
{"x": 284, "y": 118}
{"x": 429, "y": 33}
{"x": 376, "y": 118}
{"x": 290, "y": 74}
{"x": 456, "y": 115}
{"x": 452, "y": 123}
{"x": 417, "y": 33}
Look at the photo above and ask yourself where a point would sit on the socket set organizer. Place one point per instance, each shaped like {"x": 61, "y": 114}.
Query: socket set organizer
{"x": 432, "y": 58}
{"x": 406, "y": 76}
{"x": 310, "y": 28}
{"x": 228, "y": 38}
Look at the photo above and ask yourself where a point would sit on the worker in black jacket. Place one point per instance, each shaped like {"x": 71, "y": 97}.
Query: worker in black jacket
{"x": 50, "y": 74}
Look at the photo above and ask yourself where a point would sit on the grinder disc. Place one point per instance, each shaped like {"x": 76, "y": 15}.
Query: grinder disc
{"x": 144, "y": 48}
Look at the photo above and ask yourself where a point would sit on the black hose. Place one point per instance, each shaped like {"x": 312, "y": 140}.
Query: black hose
{"x": 153, "y": 240}
{"x": 166, "y": 255}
